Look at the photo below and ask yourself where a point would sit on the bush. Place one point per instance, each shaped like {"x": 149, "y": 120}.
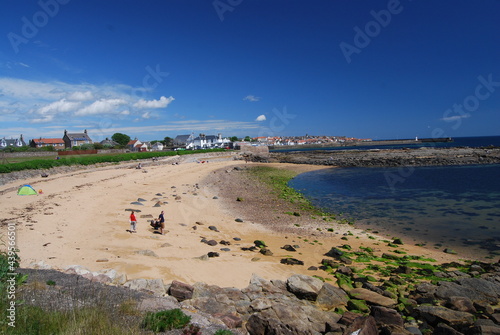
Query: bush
{"x": 165, "y": 320}
{"x": 223, "y": 332}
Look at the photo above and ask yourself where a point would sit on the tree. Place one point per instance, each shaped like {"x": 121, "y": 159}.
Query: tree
{"x": 168, "y": 141}
{"x": 120, "y": 138}
{"x": 247, "y": 139}
{"x": 234, "y": 139}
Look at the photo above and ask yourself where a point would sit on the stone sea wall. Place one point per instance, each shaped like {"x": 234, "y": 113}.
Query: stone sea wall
{"x": 391, "y": 157}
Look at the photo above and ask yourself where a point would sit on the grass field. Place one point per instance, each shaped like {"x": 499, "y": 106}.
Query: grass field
{"x": 36, "y": 162}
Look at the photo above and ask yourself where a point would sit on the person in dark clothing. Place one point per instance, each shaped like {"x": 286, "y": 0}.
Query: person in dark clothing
{"x": 161, "y": 221}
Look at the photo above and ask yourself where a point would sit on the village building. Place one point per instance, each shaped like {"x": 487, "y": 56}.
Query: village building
{"x": 158, "y": 146}
{"x": 109, "y": 143}
{"x": 208, "y": 142}
{"x": 12, "y": 142}
{"x": 57, "y": 143}
{"x": 76, "y": 139}
{"x": 137, "y": 146}
{"x": 181, "y": 141}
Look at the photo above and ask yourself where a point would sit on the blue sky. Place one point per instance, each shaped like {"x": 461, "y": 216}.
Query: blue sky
{"x": 156, "y": 68}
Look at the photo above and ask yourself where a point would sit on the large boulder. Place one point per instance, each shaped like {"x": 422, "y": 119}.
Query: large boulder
{"x": 154, "y": 286}
{"x": 476, "y": 289}
{"x": 386, "y": 316}
{"x": 436, "y": 314}
{"x": 330, "y": 297}
{"x": 304, "y": 287}
{"x": 371, "y": 297}
{"x": 181, "y": 291}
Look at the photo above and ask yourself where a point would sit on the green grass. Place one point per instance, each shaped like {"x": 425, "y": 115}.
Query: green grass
{"x": 96, "y": 319}
{"x": 31, "y": 163}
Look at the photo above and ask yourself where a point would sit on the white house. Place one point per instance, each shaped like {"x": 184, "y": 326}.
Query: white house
{"x": 158, "y": 146}
{"x": 13, "y": 142}
{"x": 207, "y": 142}
{"x": 136, "y": 145}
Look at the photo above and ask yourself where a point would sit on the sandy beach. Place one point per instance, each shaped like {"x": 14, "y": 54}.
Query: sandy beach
{"x": 81, "y": 218}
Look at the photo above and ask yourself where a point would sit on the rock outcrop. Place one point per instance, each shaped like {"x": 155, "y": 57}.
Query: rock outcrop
{"x": 465, "y": 304}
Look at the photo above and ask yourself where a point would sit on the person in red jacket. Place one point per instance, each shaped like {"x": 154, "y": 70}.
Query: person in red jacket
{"x": 133, "y": 223}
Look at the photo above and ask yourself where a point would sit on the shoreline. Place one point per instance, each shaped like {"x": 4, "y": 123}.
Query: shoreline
{"x": 310, "y": 226}
{"x": 81, "y": 218}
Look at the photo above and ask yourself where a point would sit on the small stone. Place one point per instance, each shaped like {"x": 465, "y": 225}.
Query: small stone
{"x": 102, "y": 260}
{"x": 450, "y": 251}
{"x": 238, "y": 220}
{"x": 213, "y": 254}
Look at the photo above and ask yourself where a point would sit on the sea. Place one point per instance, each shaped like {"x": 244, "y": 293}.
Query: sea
{"x": 442, "y": 207}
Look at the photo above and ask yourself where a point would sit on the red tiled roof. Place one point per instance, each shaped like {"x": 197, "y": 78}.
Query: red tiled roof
{"x": 48, "y": 140}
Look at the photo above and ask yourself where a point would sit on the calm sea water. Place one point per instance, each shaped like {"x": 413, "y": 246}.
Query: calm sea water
{"x": 442, "y": 206}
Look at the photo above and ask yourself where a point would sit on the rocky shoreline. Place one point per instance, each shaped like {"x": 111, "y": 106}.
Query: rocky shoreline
{"x": 461, "y": 300}
{"x": 425, "y": 156}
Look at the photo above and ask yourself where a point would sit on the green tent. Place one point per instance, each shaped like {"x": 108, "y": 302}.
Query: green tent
{"x": 26, "y": 190}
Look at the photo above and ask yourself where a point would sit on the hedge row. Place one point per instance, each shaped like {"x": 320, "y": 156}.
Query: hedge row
{"x": 93, "y": 159}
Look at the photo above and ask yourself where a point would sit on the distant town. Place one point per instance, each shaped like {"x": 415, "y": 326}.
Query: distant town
{"x": 82, "y": 141}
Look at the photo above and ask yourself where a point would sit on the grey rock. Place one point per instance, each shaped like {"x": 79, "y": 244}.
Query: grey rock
{"x": 288, "y": 247}
{"x": 155, "y": 286}
{"x": 371, "y": 297}
{"x": 304, "y": 287}
{"x": 330, "y": 297}
{"x": 386, "y": 316}
{"x": 291, "y": 261}
{"x": 266, "y": 252}
{"x": 436, "y": 314}
{"x": 462, "y": 304}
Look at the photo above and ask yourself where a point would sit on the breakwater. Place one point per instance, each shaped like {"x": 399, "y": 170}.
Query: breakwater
{"x": 391, "y": 157}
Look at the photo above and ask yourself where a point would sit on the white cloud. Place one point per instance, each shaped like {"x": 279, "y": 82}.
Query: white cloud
{"x": 456, "y": 117}
{"x": 251, "y": 98}
{"x": 61, "y": 106}
{"x": 162, "y": 103}
{"x": 48, "y": 112}
{"x": 146, "y": 115}
{"x": 81, "y": 96}
{"x": 261, "y": 118}
{"x": 103, "y": 106}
